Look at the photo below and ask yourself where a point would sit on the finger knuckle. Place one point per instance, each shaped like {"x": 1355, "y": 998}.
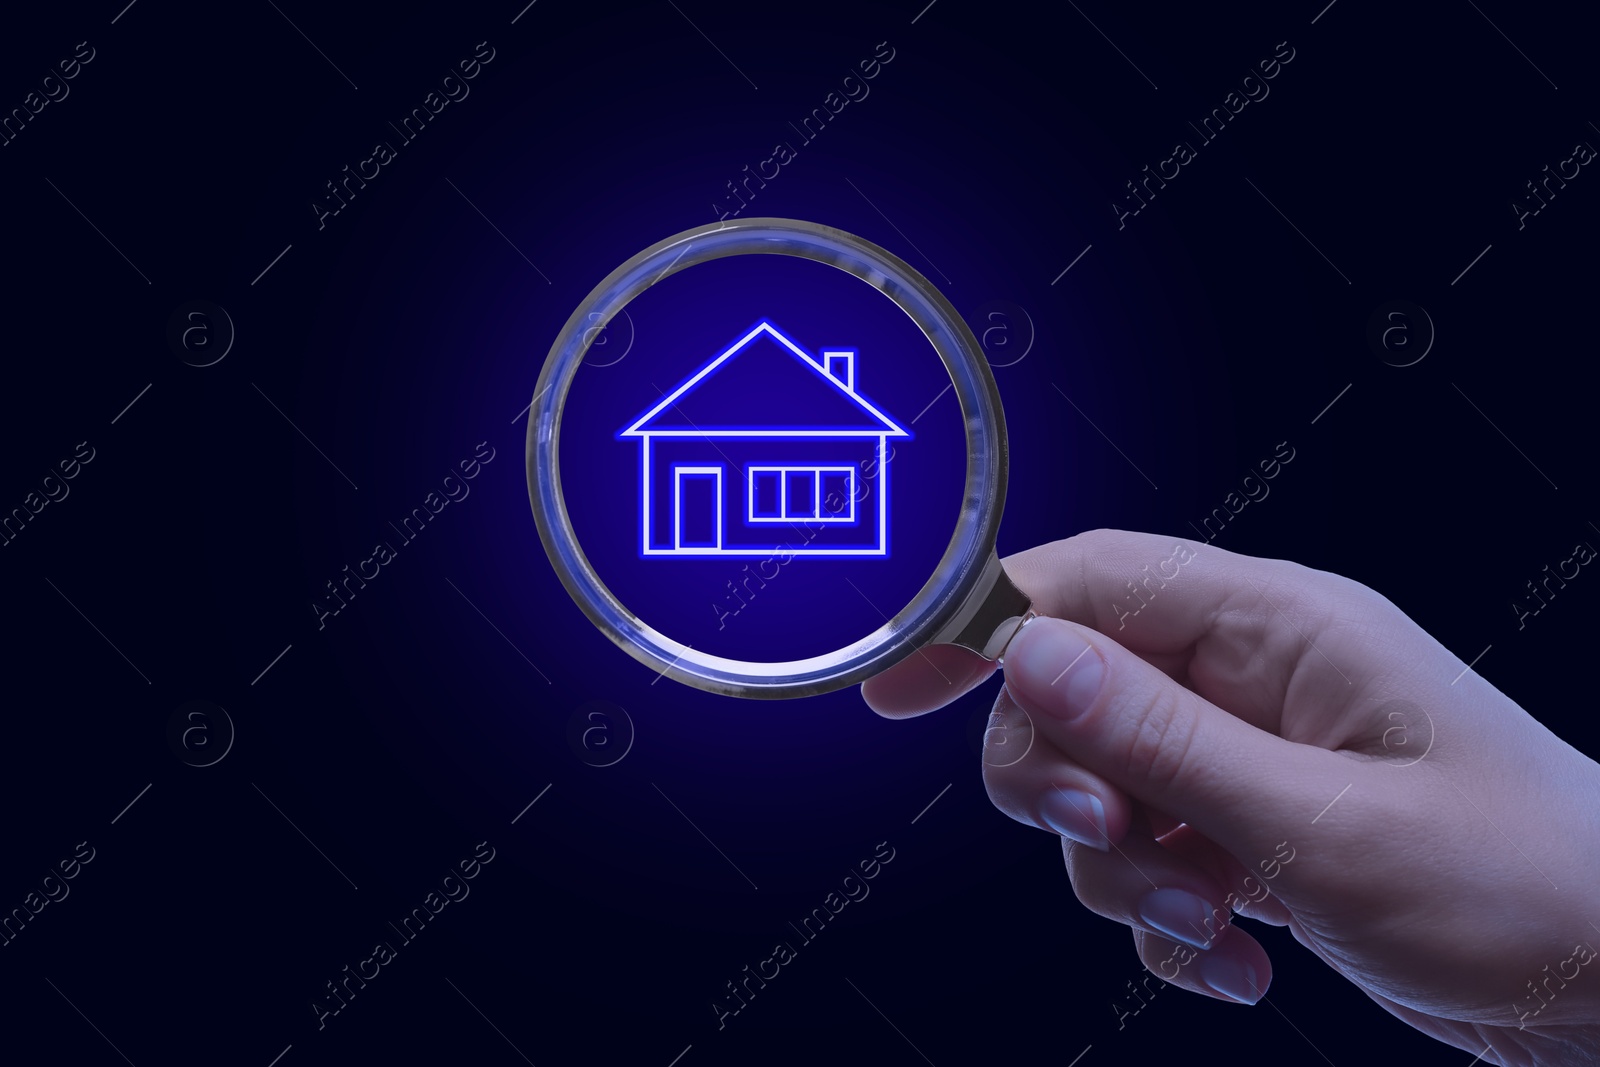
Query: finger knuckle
{"x": 1007, "y": 792}
{"x": 1094, "y": 882}
{"x": 1160, "y": 736}
{"x": 1015, "y": 795}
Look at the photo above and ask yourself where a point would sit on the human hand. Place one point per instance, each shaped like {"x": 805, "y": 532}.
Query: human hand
{"x": 1204, "y": 724}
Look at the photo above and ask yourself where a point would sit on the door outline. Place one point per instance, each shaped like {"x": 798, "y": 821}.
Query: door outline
{"x": 678, "y": 474}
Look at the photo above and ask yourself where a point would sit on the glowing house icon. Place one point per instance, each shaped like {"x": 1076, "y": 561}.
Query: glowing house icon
{"x": 765, "y": 447}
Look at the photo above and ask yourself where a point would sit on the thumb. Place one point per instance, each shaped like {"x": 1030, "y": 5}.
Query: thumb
{"x": 1165, "y": 745}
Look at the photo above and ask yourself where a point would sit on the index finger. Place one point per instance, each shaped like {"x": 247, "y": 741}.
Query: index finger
{"x": 1157, "y": 595}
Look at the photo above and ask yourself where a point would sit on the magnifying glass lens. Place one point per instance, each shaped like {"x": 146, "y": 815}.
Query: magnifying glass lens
{"x": 767, "y": 458}
{"x": 775, "y": 468}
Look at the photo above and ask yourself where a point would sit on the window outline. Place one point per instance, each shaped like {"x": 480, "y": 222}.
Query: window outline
{"x": 750, "y": 500}
{"x": 845, "y": 517}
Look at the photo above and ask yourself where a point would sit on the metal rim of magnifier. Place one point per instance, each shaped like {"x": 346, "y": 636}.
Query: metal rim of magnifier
{"x": 961, "y": 571}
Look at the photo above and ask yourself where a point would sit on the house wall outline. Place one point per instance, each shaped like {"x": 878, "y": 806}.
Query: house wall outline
{"x": 837, "y": 368}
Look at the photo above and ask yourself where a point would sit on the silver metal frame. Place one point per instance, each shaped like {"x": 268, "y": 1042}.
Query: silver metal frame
{"x": 968, "y": 600}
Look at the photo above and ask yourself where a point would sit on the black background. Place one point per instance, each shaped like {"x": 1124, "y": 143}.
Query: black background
{"x": 377, "y": 751}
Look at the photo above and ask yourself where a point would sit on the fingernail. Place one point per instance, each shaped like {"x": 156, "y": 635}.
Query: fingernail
{"x": 1232, "y": 978}
{"x": 1179, "y": 915}
{"x": 1055, "y": 667}
{"x": 1078, "y": 815}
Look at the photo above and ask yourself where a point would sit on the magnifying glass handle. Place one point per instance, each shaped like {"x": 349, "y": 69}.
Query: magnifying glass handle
{"x": 991, "y": 616}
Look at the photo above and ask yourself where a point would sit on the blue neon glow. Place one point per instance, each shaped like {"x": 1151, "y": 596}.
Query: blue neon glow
{"x": 784, "y": 474}
{"x": 801, "y": 493}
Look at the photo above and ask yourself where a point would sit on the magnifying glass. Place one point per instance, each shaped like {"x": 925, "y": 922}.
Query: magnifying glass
{"x": 754, "y": 479}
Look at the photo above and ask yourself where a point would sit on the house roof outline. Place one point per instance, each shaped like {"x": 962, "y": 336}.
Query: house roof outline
{"x": 887, "y": 426}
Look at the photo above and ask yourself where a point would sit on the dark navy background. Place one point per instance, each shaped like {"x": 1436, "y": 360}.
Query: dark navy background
{"x": 1145, "y": 371}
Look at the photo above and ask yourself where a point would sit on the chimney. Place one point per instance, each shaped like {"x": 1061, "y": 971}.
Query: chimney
{"x": 840, "y": 365}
